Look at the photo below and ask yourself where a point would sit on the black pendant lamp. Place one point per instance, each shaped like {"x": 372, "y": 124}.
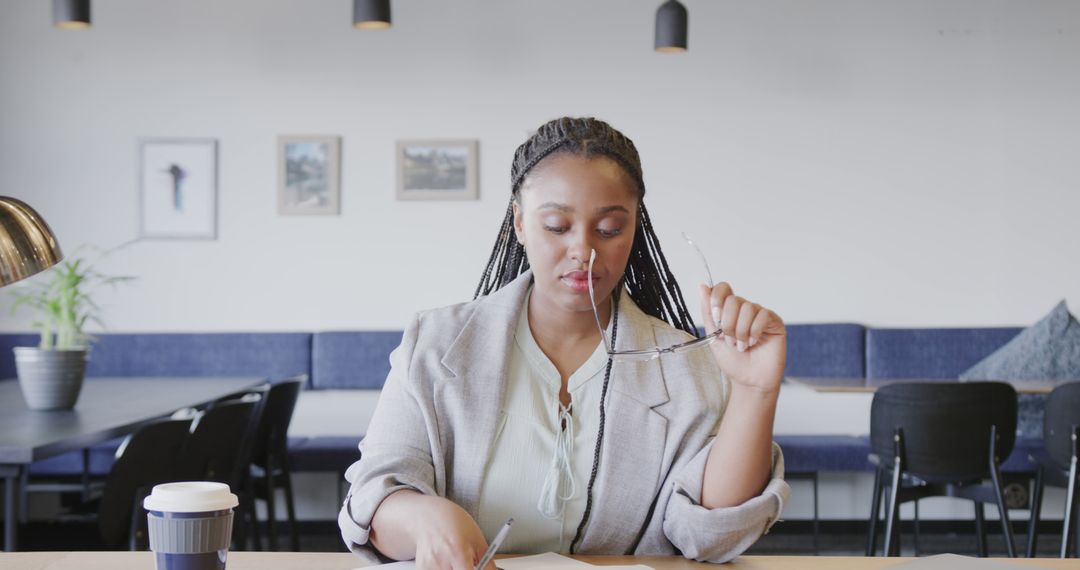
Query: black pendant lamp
{"x": 671, "y": 27}
{"x": 71, "y": 14}
{"x": 371, "y": 14}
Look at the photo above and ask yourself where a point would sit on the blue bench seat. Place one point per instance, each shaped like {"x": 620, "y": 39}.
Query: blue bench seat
{"x": 814, "y": 453}
{"x": 333, "y": 453}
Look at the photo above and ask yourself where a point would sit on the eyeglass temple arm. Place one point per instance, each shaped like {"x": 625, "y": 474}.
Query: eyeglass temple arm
{"x": 592, "y": 299}
{"x": 705, "y": 262}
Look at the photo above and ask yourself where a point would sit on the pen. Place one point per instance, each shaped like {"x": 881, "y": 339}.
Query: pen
{"x": 494, "y": 547}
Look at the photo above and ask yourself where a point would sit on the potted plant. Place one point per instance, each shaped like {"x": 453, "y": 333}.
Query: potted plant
{"x": 51, "y": 374}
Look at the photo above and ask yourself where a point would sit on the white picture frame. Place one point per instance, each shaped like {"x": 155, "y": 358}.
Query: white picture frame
{"x": 437, "y": 169}
{"x": 178, "y": 188}
{"x": 309, "y": 175}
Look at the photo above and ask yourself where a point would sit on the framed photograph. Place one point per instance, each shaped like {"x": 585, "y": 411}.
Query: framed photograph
{"x": 436, "y": 170}
{"x": 178, "y": 188}
{"x": 308, "y": 175}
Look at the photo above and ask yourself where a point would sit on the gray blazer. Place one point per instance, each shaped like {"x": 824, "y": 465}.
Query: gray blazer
{"x": 434, "y": 425}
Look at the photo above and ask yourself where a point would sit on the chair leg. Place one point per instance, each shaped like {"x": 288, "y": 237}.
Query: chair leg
{"x": 980, "y": 530}
{"x": 256, "y": 540}
{"x": 915, "y": 539}
{"x": 240, "y": 524}
{"x": 85, "y": 479}
{"x": 138, "y": 532}
{"x": 814, "y": 480}
{"x": 290, "y": 507}
{"x": 892, "y": 524}
{"x": 271, "y": 515}
{"x": 1003, "y": 512}
{"x": 1070, "y": 502}
{"x": 875, "y": 507}
{"x": 24, "y": 496}
{"x": 1036, "y": 510}
{"x": 1076, "y": 529}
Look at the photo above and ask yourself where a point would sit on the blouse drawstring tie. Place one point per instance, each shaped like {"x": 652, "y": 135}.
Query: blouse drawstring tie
{"x": 559, "y": 485}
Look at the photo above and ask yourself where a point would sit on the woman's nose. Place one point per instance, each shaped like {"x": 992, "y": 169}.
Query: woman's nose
{"x": 580, "y": 249}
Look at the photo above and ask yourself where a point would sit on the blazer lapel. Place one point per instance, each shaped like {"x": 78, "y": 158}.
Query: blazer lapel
{"x": 632, "y": 456}
{"x": 473, "y": 396}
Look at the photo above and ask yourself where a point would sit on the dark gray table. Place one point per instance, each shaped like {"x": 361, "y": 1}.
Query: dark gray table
{"x": 107, "y": 408}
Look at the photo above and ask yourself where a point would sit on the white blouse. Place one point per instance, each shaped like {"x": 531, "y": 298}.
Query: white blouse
{"x": 539, "y": 474}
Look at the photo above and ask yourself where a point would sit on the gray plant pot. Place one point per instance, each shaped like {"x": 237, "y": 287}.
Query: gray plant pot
{"x": 50, "y": 379}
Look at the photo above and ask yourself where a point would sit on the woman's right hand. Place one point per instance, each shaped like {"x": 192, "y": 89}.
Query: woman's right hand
{"x": 443, "y": 536}
{"x": 447, "y": 538}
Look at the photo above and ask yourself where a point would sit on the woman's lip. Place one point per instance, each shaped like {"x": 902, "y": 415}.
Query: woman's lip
{"x": 578, "y": 281}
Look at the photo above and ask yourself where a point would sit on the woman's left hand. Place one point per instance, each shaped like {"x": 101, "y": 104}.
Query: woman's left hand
{"x": 753, "y": 350}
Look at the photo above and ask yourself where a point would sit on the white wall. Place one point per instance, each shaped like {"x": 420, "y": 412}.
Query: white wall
{"x": 892, "y": 163}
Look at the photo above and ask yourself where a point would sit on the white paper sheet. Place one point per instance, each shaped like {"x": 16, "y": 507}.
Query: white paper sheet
{"x": 546, "y": 561}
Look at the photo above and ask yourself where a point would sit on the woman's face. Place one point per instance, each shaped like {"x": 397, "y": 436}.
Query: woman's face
{"x": 567, "y": 206}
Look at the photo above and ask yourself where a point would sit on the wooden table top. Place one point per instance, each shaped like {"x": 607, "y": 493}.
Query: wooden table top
{"x": 345, "y": 561}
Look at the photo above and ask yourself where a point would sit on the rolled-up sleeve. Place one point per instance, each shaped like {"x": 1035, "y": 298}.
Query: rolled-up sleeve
{"x": 719, "y": 535}
{"x": 395, "y": 454}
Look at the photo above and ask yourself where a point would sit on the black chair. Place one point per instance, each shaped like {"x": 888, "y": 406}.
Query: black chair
{"x": 148, "y": 457}
{"x": 1061, "y": 432}
{"x": 940, "y": 439}
{"x": 270, "y": 458}
{"x": 219, "y": 449}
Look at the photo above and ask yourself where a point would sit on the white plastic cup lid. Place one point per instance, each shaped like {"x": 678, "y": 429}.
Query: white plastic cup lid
{"x": 190, "y": 497}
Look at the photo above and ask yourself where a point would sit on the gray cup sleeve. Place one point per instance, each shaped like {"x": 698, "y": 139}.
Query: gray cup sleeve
{"x": 189, "y": 535}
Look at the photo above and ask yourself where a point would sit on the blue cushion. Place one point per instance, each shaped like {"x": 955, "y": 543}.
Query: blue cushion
{"x": 813, "y": 453}
{"x": 353, "y": 359}
{"x": 929, "y": 354}
{"x": 826, "y": 351}
{"x": 273, "y": 355}
{"x": 1047, "y": 350}
{"x": 333, "y": 453}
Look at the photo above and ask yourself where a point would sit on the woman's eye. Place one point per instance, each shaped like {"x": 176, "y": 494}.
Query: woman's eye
{"x": 555, "y": 229}
{"x": 609, "y": 232}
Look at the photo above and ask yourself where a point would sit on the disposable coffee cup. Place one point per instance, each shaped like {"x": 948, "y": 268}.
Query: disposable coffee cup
{"x": 190, "y": 525}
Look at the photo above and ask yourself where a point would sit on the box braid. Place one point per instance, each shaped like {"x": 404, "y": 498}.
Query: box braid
{"x": 647, "y": 278}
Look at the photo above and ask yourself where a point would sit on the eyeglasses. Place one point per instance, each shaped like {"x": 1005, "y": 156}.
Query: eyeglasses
{"x": 651, "y": 353}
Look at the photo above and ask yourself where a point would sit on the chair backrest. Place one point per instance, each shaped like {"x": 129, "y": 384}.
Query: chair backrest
{"x": 221, "y": 442}
{"x": 946, "y": 427}
{"x": 272, "y": 435}
{"x": 147, "y": 458}
{"x": 1062, "y": 413}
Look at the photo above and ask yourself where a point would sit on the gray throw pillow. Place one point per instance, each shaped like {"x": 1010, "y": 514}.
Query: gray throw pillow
{"x": 1047, "y": 350}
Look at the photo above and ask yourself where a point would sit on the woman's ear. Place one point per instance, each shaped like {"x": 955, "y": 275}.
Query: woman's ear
{"x": 519, "y": 222}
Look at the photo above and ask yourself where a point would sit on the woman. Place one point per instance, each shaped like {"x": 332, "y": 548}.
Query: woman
{"x": 512, "y": 404}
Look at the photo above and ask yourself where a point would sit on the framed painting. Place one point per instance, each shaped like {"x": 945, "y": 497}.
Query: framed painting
{"x": 437, "y": 170}
{"x": 178, "y": 188}
{"x": 309, "y": 175}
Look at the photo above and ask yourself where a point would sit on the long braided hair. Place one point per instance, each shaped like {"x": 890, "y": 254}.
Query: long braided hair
{"x": 647, "y": 278}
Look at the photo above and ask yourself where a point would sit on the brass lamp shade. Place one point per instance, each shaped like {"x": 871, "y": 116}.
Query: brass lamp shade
{"x": 27, "y": 245}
